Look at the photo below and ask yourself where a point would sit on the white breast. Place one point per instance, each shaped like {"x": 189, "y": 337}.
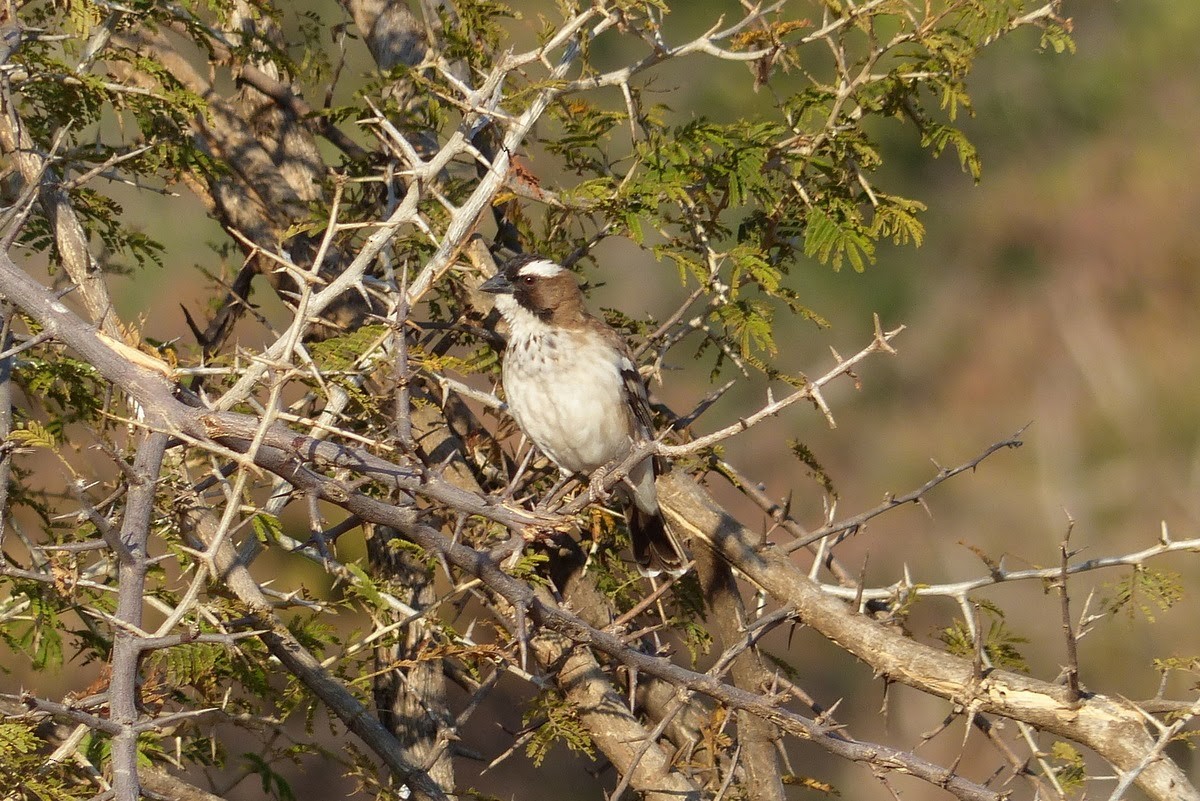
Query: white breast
{"x": 565, "y": 390}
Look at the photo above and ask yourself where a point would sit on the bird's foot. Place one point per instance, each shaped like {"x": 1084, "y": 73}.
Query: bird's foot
{"x": 596, "y": 491}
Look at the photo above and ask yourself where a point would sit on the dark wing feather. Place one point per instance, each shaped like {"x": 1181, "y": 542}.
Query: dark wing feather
{"x": 635, "y": 391}
{"x": 656, "y": 548}
{"x": 637, "y": 400}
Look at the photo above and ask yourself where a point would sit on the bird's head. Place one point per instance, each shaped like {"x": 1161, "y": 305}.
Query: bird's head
{"x": 538, "y": 286}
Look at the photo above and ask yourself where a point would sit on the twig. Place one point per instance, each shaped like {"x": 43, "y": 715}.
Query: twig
{"x": 1000, "y": 575}
{"x": 854, "y": 523}
{"x": 6, "y": 415}
{"x": 1166, "y": 736}
{"x": 401, "y": 413}
{"x": 1072, "y": 669}
{"x": 809, "y": 392}
{"x": 610, "y": 475}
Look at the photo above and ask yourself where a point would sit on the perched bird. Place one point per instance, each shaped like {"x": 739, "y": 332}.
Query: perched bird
{"x": 573, "y": 388}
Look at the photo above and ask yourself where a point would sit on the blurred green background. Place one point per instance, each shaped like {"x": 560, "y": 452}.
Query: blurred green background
{"x": 1062, "y": 291}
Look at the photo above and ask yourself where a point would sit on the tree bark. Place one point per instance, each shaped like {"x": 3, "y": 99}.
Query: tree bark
{"x": 1112, "y": 727}
{"x": 759, "y": 755}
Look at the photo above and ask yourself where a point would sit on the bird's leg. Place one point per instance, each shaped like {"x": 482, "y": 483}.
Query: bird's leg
{"x": 605, "y": 479}
{"x": 550, "y": 497}
{"x": 598, "y": 486}
{"x": 511, "y": 489}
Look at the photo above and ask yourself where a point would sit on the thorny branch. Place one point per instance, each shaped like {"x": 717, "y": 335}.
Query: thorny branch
{"x": 852, "y": 524}
{"x": 307, "y": 457}
{"x": 279, "y": 454}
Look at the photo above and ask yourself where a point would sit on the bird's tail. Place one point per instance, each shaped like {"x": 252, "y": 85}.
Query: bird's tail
{"x": 655, "y": 547}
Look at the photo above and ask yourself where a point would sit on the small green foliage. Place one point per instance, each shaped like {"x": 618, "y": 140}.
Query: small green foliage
{"x": 474, "y": 33}
{"x": 781, "y": 664}
{"x": 584, "y": 126}
{"x": 688, "y": 618}
{"x": 748, "y": 325}
{"x": 1143, "y": 591}
{"x": 1190, "y": 664}
{"x": 273, "y": 783}
{"x": 480, "y": 796}
{"x": 530, "y": 567}
{"x": 696, "y": 638}
{"x": 1068, "y": 766}
{"x": 557, "y": 721}
{"x": 72, "y": 387}
{"x": 149, "y": 750}
{"x": 615, "y": 578}
{"x": 103, "y": 217}
{"x": 38, "y": 633}
{"x": 815, "y": 469}
{"x": 191, "y": 664}
{"x": 17, "y": 739}
{"x": 999, "y": 641}
{"x": 27, "y": 774}
{"x": 481, "y": 360}
{"x": 896, "y": 219}
{"x": 342, "y": 352}
{"x": 33, "y": 434}
{"x": 313, "y": 632}
{"x": 1057, "y": 38}
{"x": 937, "y": 137}
{"x": 809, "y": 783}
{"x": 838, "y": 234}
{"x": 267, "y": 528}
{"x": 365, "y": 587}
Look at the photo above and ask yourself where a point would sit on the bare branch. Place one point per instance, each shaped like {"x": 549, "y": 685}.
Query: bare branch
{"x": 1110, "y": 726}
{"x": 853, "y": 524}
{"x": 809, "y": 392}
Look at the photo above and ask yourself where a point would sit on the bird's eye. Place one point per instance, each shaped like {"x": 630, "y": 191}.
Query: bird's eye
{"x": 528, "y": 280}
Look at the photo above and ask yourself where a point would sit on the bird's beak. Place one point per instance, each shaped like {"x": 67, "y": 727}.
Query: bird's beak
{"x": 497, "y": 285}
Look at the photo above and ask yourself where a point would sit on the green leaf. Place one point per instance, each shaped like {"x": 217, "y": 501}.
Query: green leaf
{"x": 273, "y": 783}
{"x": 999, "y": 641}
{"x": 815, "y": 469}
{"x": 748, "y": 324}
{"x": 41, "y": 639}
{"x": 342, "y": 352}
{"x": 937, "y": 137}
{"x": 190, "y": 663}
{"x": 364, "y": 587}
{"x": 559, "y": 723}
{"x": 34, "y": 435}
{"x": 1144, "y": 591}
{"x": 1069, "y": 770}
{"x": 267, "y": 528}
{"x": 836, "y": 238}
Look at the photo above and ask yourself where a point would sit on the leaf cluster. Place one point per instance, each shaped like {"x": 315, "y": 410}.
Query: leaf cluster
{"x": 29, "y": 776}
{"x": 998, "y": 643}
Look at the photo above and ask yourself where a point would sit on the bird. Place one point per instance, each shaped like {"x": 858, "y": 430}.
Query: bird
{"x": 575, "y": 391}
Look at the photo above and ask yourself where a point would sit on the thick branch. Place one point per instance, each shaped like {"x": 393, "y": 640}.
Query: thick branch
{"x": 127, "y": 647}
{"x": 1113, "y": 727}
{"x": 613, "y": 729}
{"x": 757, "y": 737}
{"x": 69, "y": 237}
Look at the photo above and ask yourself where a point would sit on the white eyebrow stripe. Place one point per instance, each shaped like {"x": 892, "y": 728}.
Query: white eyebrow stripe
{"x": 542, "y": 268}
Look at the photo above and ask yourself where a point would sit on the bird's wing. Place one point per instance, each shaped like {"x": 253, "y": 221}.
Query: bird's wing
{"x": 635, "y": 394}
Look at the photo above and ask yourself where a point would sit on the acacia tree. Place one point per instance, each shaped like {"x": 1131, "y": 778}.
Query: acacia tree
{"x": 142, "y": 482}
